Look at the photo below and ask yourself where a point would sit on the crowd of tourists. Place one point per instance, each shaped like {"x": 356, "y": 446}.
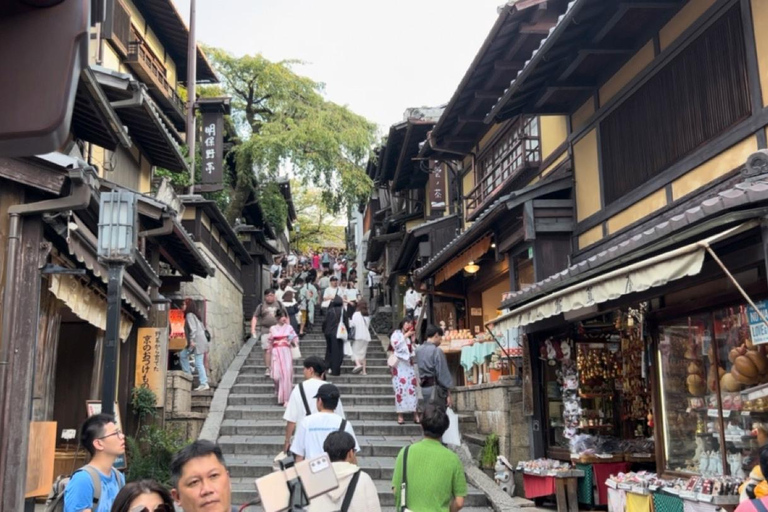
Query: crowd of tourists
{"x": 427, "y": 475}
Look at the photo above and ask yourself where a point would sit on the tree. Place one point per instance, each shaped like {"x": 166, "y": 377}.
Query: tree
{"x": 283, "y": 120}
{"x": 316, "y": 225}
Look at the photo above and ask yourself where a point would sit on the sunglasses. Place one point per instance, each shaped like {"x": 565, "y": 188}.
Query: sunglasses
{"x": 118, "y": 433}
{"x": 160, "y": 508}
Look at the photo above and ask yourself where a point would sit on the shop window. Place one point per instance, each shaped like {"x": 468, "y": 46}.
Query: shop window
{"x": 711, "y": 377}
{"x": 699, "y": 95}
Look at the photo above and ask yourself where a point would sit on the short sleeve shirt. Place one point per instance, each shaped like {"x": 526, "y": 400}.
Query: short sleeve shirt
{"x": 266, "y": 315}
{"x": 295, "y": 412}
{"x": 313, "y": 430}
{"x": 79, "y": 492}
{"x": 435, "y": 477}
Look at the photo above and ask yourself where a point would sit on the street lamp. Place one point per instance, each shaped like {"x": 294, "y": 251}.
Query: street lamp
{"x": 116, "y": 242}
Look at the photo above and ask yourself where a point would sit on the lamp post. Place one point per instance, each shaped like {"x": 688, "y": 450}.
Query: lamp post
{"x": 116, "y": 242}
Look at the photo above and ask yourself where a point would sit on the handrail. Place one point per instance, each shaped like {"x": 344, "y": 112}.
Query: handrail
{"x": 138, "y": 50}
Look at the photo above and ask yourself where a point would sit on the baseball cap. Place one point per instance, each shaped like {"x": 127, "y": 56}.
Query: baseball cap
{"x": 328, "y": 391}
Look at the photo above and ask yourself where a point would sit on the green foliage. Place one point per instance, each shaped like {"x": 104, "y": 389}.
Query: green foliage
{"x": 490, "y": 451}
{"x": 273, "y": 204}
{"x": 283, "y": 119}
{"x": 143, "y": 402}
{"x": 317, "y": 225}
{"x": 151, "y": 452}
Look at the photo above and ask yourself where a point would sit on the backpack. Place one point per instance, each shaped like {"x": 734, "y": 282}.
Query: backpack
{"x": 55, "y": 500}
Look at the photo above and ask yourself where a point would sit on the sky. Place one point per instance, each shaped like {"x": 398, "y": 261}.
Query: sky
{"x": 377, "y": 58}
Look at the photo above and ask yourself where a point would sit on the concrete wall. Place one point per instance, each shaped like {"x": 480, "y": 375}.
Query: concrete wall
{"x": 498, "y": 408}
{"x": 224, "y": 316}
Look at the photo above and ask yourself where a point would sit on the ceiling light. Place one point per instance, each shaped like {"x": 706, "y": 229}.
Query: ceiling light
{"x": 471, "y": 268}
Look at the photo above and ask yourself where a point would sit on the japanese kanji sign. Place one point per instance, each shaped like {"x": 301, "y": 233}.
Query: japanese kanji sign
{"x": 212, "y": 150}
{"x": 437, "y": 188}
{"x": 151, "y": 360}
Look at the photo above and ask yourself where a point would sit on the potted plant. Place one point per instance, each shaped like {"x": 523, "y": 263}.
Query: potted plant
{"x": 489, "y": 454}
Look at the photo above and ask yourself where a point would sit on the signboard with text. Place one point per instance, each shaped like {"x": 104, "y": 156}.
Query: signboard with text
{"x": 757, "y": 327}
{"x": 437, "y": 189}
{"x": 151, "y": 361}
{"x": 212, "y": 150}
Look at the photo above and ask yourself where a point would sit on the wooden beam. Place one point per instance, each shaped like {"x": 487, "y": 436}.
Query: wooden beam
{"x": 609, "y": 25}
{"x": 552, "y": 90}
{"x": 513, "y": 65}
{"x": 39, "y": 176}
{"x": 470, "y": 120}
{"x": 584, "y": 53}
{"x": 19, "y": 376}
{"x": 486, "y": 95}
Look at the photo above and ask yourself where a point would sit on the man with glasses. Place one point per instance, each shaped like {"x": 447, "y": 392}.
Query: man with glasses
{"x": 105, "y": 442}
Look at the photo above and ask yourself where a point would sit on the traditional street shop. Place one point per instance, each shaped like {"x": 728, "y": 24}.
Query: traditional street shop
{"x": 646, "y": 365}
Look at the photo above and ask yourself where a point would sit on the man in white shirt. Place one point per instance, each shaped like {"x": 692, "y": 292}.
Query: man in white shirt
{"x": 313, "y": 429}
{"x": 411, "y": 300}
{"x": 301, "y": 406}
{"x": 331, "y": 292}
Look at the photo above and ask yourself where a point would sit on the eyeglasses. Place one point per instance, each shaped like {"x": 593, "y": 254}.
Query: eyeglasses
{"x": 118, "y": 433}
{"x": 160, "y": 508}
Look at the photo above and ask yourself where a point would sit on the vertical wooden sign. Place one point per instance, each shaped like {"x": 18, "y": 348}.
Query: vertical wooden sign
{"x": 212, "y": 148}
{"x": 436, "y": 188}
{"x": 151, "y": 360}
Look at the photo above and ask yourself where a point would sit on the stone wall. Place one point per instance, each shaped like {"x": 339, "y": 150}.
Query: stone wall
{"x": 498, "y": 408}
{"x": 224, "y": 316}
{"x": 178, "y": 406}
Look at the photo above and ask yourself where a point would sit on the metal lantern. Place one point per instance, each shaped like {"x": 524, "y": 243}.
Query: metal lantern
{"x": 117, "y": 227}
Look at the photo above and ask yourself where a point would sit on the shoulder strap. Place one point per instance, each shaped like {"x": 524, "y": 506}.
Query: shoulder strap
{"x": 759, "y": 505}
{"x": 404, "y": 485}
{"x": 307, "y": 410}
{"x": 351, "y": 492}
{"x": 343, "y": 427}
{"x": 96, "y": 480}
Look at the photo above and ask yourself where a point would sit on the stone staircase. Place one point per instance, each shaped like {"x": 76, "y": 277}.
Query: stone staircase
{"x": 253, "y": 430}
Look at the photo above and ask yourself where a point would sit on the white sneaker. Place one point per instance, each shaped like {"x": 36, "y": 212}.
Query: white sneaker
{"x": 202, "y": 388}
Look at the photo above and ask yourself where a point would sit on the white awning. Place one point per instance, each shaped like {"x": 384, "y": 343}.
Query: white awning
{"x": 652, "y": 272}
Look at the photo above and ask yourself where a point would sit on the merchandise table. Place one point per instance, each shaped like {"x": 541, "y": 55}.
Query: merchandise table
{"x": 560, "y": 483}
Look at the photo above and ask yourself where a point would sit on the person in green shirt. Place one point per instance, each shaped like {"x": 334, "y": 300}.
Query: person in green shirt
{"x": 435, "y": 475}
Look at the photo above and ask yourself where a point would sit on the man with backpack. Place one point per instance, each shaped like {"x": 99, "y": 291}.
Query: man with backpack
{"x": 314, "y": 429}
{"x": 300, "y": 403}
{"x": 93, "y": 488}
{"x": 265, "y": 317}
{"x": 356, "y": 491}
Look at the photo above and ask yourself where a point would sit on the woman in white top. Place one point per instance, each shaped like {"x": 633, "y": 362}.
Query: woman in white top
{"x": 360, "y": 322}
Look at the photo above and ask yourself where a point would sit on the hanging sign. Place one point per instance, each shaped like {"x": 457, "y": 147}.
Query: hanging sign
{"x": 212, "y": 149}
{"x": 151, "y": 353}
{"x": 436, "y": 188}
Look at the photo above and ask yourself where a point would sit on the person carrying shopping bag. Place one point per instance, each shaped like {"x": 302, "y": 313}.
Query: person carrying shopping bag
{"x": 197, "y": 343}
{"x": 335, "y": 323}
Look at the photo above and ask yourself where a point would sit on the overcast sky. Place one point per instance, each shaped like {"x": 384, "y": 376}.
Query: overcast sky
{"x": 377, "y": 57}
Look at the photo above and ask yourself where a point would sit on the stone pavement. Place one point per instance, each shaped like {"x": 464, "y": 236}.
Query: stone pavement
{"x": 247, "y": 422}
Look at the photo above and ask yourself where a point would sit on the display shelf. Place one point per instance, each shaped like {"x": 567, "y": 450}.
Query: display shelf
{"x": 598, "y": 459}
{"x": 756, "y": 392}
{"x": 639, "y": 457}
{"x": 596, "y": 427}
{"x": 595, "y": 395}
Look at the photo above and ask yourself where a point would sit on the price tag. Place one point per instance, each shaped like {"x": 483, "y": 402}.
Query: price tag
{"x": 713, "y": 413}
{"x": 688, "y": 495}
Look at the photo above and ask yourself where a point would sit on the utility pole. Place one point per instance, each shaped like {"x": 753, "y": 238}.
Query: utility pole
{"x": 191, "y": 95}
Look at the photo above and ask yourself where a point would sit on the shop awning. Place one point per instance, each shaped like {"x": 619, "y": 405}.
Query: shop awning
{"x": 656, "y": 271}
{"x": 455, "y": 266}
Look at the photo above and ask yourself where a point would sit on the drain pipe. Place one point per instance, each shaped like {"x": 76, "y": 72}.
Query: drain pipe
{"x": 78, "y": 199}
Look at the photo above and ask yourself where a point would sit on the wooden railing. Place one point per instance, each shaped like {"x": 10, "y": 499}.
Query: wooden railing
{"x": 516, "y": 150}
{"x": 139, "y": 52}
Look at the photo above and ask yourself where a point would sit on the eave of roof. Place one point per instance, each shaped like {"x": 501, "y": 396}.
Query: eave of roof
{"x": 500, "y": 57}
{"x": 213, "y": 212}
{"x": 410, "y": 242}
{"x": 173, "y": 33}
{"x": 147, "y": 125}
{"x": 93, "y": 118}
{"x": 607, "y": 32}
{"x": 717, "y": 212}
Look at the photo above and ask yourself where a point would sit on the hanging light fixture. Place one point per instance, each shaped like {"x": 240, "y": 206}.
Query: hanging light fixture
{"x": 471, "y": 267}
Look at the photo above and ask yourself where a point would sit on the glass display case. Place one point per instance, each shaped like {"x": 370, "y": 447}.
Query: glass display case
{"x": 708, "y": 363}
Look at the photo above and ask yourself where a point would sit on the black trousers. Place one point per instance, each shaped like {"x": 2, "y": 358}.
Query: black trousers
{"x": 334, "y": 354}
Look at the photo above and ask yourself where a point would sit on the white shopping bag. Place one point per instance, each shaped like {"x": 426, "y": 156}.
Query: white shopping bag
{"x": 452, "y": 435}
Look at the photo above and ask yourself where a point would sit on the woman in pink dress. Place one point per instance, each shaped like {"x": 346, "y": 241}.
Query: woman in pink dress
{"x": 282, "y": 337}
{"x": 315, "y": 260}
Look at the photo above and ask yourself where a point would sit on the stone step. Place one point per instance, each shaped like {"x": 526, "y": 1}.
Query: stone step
{"x": 256, "y": 428}
{"x": 244, "y": 490}
{"x": 255, "y": 466}
{"x": 344, "y": 378}
{"x": 370, "y": 446}
{"x": 344, "y": 389}
{"x": 266, "y": 412}
{"x": 298, "y": 369}
{"x": 370, "y": 361}
{"x": 351, "y": 399}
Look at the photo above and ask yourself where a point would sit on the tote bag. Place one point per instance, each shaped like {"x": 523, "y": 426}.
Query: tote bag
{"x": 341, "y": 330}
